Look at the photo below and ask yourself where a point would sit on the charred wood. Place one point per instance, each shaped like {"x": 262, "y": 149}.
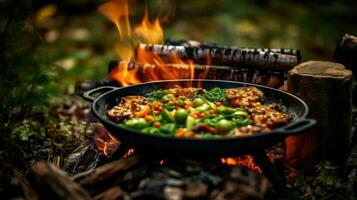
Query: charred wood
{"x": 193, "y": 43}
{"x": 100, "y": 175}
{"x": 233, "y": 56}
{"x": 83, "y": 158}
{"x": 243, "y": 184}
{"x": 51, "y": 182}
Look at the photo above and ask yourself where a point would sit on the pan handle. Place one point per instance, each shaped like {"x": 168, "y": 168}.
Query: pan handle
{"x": 88, "y": 94}
{"x": 298, "y": 127}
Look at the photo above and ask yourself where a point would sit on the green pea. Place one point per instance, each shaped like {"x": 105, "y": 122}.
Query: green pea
{"x": 180, "y": 116}
{"x": 197, "y": 102}
{"x": 190, "y": 122}
{"x": 167, "y": 116}
{"x": 224, "y": 125}
{"x": 203, "y": 107}
{"x": 240, "y": 113}
{"x": 226, "y": 110}
{"x": 168, "y": 128}
{"x": 168, "y": 97}
{"x": 136, "y": 123}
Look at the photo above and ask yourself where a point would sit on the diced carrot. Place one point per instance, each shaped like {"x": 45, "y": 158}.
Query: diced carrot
{"x": 149, "y": 118}
{"x": 176, "y": 103}
{"x": 201, "y": 115}
{"x": 159, "y": 109}
{"x": 157, "y": 124}
{"x": 211, "y": 112}
{"x": 143, "y": 112}
{"x": 156, "y": 105}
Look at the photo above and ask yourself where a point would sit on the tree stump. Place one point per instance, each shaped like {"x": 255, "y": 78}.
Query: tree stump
{"x": 326, "y": 88}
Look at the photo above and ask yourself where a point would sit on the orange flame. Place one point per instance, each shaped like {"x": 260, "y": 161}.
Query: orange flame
{"x": 130, "y": 152}
{"x": 149, "y": 32}
{"x": 246, "y": 161}
{"x": 118, "y": 12}
{"x": 145, "y": 32}
{"x": 106, "y": 143}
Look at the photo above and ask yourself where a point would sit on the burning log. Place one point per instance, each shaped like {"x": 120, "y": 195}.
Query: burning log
{"x": 105, "y": 172}
{"x": 232, "y": 56}
{"x": 53, "y": 183}
{"x": 193, "y": 43}
{"x": 326, "y": 88}
{"x": 346, "y": 51}
{"x": 150, "y": 72}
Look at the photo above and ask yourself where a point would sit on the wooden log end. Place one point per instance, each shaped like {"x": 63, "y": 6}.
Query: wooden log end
{"x": 321, "y": 69}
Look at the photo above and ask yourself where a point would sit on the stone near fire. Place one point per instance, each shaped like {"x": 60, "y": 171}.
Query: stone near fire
{"x": 326, "y": 88}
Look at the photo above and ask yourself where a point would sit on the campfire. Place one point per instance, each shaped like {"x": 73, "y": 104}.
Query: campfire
{"x": 150, "y": 61}
{"x": 148, "y": 58}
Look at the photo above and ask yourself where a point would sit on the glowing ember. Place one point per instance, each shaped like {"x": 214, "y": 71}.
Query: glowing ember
{"x": 129, "y": 153}
{"x": 246, "y": 161}
{"x": 106, "y": 143}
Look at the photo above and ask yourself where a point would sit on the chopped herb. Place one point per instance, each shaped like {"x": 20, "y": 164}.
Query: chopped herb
{"x": 216, "y": 95}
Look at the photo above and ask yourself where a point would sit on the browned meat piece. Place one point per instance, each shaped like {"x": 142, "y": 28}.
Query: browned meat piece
{"x": 205, "y": 127}
{"x": 187, "y": 92}
{"x": 118, "y": 113}
{"x": 248, "y": 130}
{"x": 131, "y": 106}
{"x": 268, "y": 116}
{"x": 182, "y": 133}
{"x": 244, "y": 96}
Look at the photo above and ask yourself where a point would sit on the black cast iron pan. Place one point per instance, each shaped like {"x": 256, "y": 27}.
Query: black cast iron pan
{"x": 191, "y": 147}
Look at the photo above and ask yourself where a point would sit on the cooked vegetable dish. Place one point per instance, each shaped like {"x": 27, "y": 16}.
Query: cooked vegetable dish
{"x": 198, "y": 113}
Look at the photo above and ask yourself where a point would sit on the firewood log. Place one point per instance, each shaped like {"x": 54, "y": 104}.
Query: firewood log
{"x": 105, "y": 172}
{"x": 326, "y": 88}
{"x": 193, "y": 43}
{"x": 238, "y": 57}
{"x": 150, "y": 72}
{"x": 50, "y": 182}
